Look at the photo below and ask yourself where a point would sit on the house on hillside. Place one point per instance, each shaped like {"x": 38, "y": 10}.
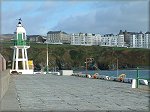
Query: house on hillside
{"x": 36, "y": 38}
{"x": 58, "y": 37}
{"x": 6, "y": 37}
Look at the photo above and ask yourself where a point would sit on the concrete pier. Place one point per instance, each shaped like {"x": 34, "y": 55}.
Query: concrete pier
{"x": 4, "y": 82}
{"x": 70, "y": 93}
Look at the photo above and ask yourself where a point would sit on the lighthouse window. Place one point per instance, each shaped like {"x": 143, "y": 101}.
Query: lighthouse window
{"x": 24, "y": 36}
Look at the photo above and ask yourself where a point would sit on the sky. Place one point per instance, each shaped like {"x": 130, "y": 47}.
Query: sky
{"x": 74, "y": 16}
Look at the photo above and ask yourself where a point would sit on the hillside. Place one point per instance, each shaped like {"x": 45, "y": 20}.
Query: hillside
{"x": 69, "y": 56}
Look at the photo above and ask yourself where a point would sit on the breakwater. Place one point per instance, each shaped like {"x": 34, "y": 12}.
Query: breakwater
{"x": 4, "y": 82}
{"x": 70, "y": 93}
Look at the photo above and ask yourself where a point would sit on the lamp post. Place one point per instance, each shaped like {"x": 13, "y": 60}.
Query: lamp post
{"x": 47, "y": 60}
{"x": 86, "y": 66}
{"x": 137, "y": 78}
{"x": 116, "y": 59}
{"x": 117, "y": 67}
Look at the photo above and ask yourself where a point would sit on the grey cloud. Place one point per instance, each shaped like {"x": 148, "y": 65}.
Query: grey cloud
{"x": 75, "y": 24}
{"x": 35, "y": 16}
{"x": 131, "y": 16}
{"x": 104, "y": 17}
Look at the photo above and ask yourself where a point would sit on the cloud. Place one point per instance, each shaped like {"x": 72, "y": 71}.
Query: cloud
{"x": 75, "y": 16}
{"x": 109, "y": 18}
{"x": 37, "y": 16}
{"x": 33, "y": 18}
{"x": 79, "y": 23}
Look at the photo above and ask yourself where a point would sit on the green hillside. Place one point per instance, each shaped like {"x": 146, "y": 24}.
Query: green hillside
{"x": 69, "y": 56}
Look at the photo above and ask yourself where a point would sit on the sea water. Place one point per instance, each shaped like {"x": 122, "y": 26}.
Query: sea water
{"x": 116, "y": 73}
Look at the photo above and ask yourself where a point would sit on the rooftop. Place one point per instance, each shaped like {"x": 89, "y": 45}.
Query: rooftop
{"x": 56, "y": 32}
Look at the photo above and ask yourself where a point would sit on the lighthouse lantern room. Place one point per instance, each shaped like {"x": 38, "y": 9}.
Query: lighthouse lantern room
{"x": 20, "y": 57}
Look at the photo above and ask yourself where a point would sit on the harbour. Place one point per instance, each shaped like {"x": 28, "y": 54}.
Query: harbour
{"x": 69, "y": 57}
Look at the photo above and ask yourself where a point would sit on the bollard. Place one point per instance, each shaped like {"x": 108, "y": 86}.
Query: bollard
{"x": 134, "y": 83}
{"x": 137, "y": 78}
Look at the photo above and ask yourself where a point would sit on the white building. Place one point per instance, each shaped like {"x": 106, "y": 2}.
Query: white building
{"x": 147, "y": 39}
{"x": 86, "y": 39}
{"x": 112, "y": 40}
{"x": 140, "y": 40}
{"x": 58, "y": 37}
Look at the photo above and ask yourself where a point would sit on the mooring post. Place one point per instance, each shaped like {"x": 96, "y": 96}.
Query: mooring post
{"x": 137, "y": 78}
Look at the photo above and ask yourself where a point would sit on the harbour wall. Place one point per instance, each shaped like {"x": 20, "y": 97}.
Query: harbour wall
{"x": 4, "y": 82}
{"x": 2, "y": 63}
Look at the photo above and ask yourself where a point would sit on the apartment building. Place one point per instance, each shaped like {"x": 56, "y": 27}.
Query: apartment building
{"x": 112, "y": 40}
{"x": 140, "y": 40}
{"x": 86, "y": 39}
{"x": 58, "y": 37}
{"x": 147, "y": 39}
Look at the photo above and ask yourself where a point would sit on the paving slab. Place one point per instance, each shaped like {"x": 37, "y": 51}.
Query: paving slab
{"x": 70, "y": 93}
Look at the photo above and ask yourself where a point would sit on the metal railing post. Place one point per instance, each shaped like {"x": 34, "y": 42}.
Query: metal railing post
{"x": 137, "y": 78}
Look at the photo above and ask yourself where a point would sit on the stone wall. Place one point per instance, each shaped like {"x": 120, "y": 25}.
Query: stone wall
{"x": 4, "y": 82}
{"x": 2, "y": 63}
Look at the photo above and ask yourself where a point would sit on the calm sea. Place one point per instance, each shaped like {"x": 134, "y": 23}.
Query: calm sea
{"x": 115, "y": 73}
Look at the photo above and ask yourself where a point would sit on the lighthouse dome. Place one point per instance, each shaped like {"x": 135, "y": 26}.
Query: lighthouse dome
{"x": 20, "y": 29}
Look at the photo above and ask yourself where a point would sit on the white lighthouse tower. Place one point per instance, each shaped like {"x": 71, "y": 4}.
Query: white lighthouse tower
{"x": 20, "y": 57}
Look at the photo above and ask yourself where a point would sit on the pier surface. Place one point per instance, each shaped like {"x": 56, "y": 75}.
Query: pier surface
{"x": 70, "y": 93}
